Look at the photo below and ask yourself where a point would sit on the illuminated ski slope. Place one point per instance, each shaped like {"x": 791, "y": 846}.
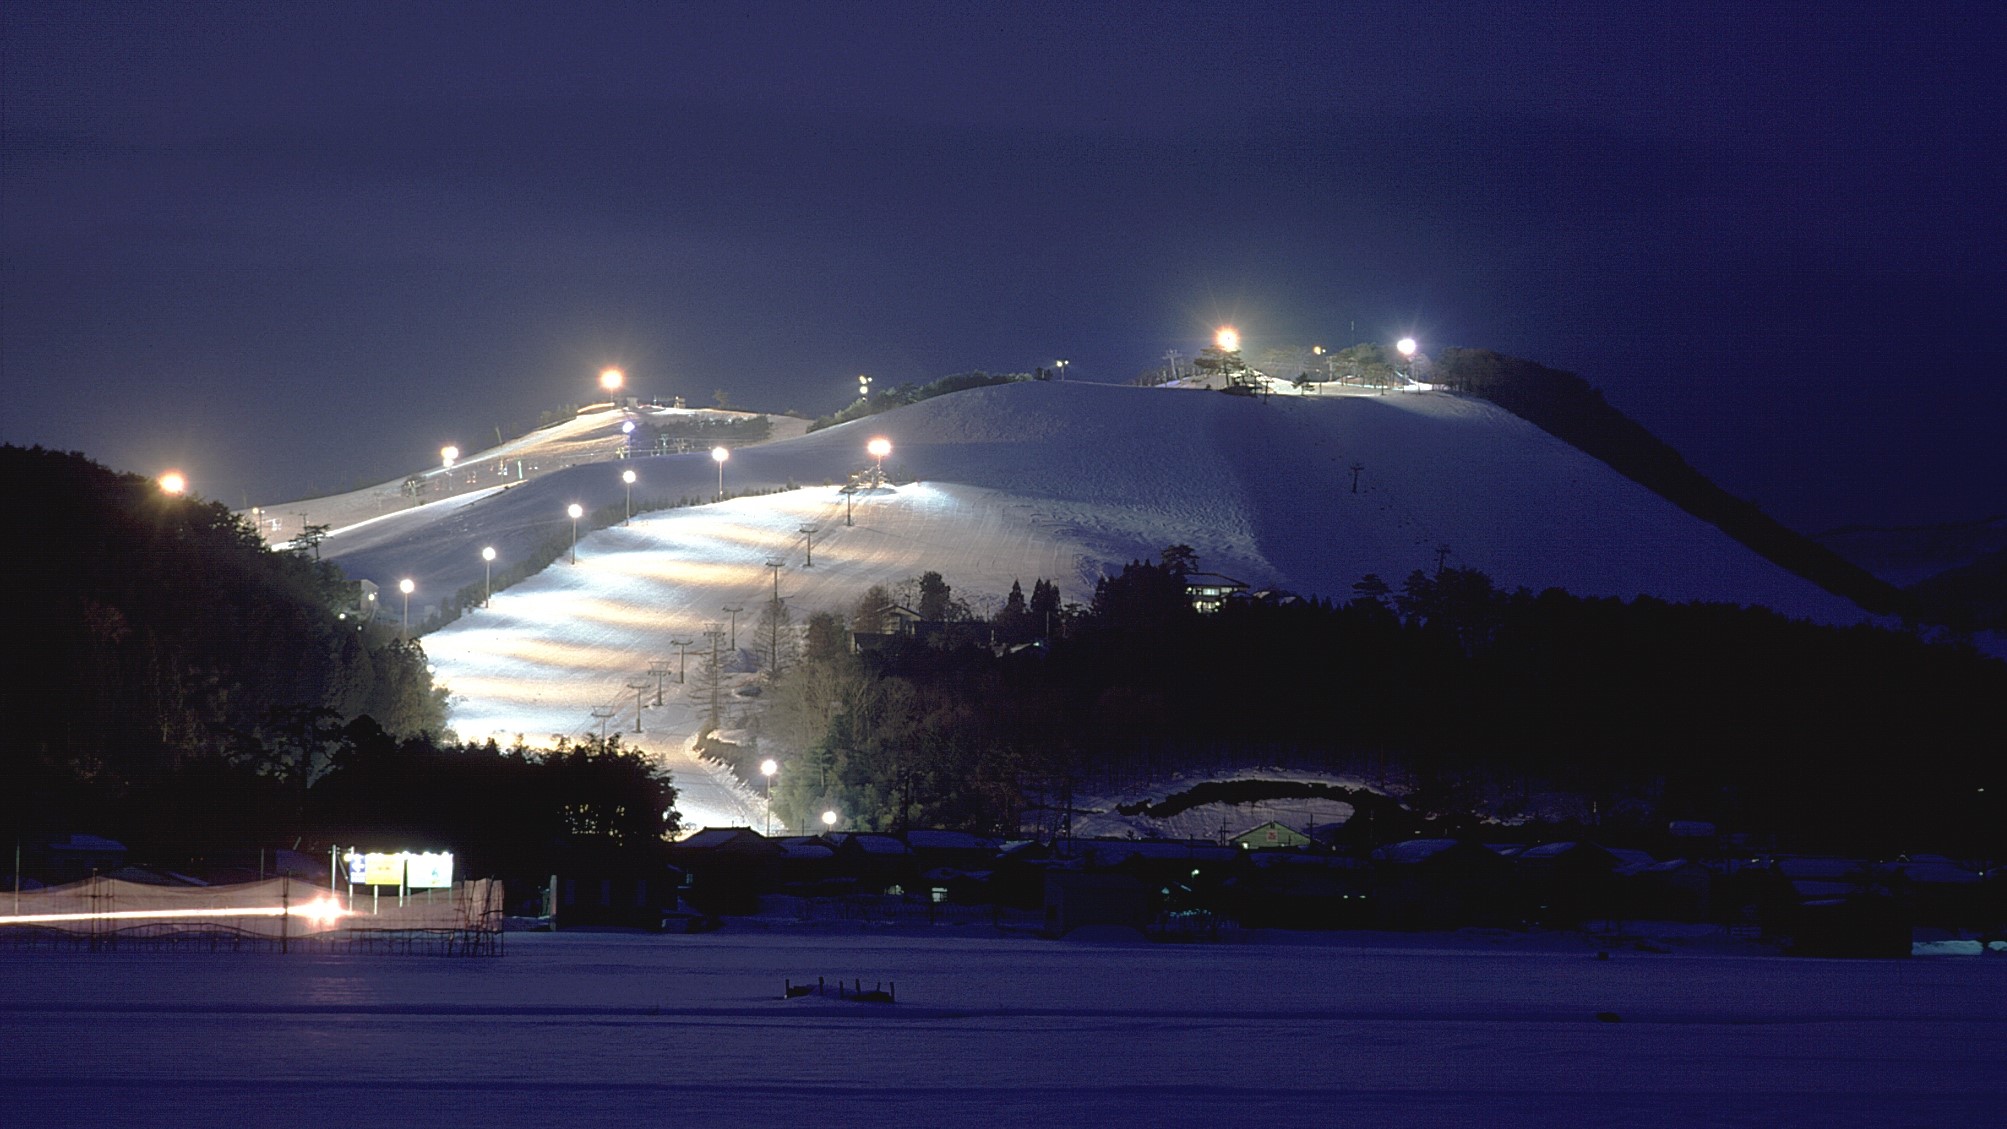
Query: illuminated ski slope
{"x": 1062, "y": 481}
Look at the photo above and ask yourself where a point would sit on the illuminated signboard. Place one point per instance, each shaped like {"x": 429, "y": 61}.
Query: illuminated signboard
{"x": 428, "y": 870}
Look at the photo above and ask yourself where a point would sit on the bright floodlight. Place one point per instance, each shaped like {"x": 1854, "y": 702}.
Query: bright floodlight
{"x": 627, "y": 427}
{"x": 174, "y": 482}
{"x": 829, "y": 819}
{"x": 406, "y": 586}
{"x": 488, "y": 554}
{"x": 1228, "y": 338}
{"x": 1405, "y": 346}
{"x": 612, "y": 379}
{"x": 449, "y": 455}
{"x": 720, "y": 454}
{"x": 574, "y": 511}
{"x": 879, "y": 448}
{"x": 768, "y": 767}
{"x": 627, "y": 476}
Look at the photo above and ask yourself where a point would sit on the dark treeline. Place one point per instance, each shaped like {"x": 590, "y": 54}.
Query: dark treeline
{"x": 175, "y": 684}
{"x": 910, "y": 393}
{"x": 1464, "y": 697}
{"x": 147, "y": 632}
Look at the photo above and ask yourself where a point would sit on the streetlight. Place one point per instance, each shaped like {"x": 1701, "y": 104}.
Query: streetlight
{"x": 487, "y": 574}
{"x": 829, "y": 820}
{"x": 767, "y": 770}
{"x": 879, "y": 448}
{"x": 173, "y": 482}
{"x": 611, "y": 380}
{"x": 719, "y": 455}
{"x": 1061, "y": 366}
{"x": 575, "y": 511}
{"x": 1228, "y": 339}
{"x": 1406, "y": 347}
{"x": 407, "y": 587}
{"x": 863, "y": 387}
{"x": 627, "y": 476}
{"x": 448, "y": 455}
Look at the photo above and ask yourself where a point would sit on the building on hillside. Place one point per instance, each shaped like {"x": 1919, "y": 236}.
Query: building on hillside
{"x": 1270, "y": 836}
{"x": 1209, "y": 591}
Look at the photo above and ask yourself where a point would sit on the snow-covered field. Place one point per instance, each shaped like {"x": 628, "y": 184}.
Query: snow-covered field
{"x": 1062, "y": 481}
{"x": 1379, "y": 1030}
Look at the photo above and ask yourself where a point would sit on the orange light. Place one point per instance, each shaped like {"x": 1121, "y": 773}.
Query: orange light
{"x": 173, "y": 482}
{"x": 612, "y": 379}
{"x": 1228, "y": 338}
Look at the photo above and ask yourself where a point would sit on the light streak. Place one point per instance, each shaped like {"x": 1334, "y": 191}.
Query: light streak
{"x": 324, "y": 910}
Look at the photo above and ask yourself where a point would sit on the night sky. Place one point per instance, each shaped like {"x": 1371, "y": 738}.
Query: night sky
{"x": 287, "y": 248}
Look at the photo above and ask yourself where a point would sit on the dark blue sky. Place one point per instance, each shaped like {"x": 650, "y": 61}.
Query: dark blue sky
{"x": 290, "y": 247}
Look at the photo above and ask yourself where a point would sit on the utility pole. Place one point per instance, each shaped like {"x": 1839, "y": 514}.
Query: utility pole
{"x": 808, "y": 537}
{"x": 682, "y": 657}
{"x": 660, "y": 669}
{"x": 734, "y": 613}
{"x": 776, "y": 564}
{"x": 601, "y": 714}
{"x": 1356, "y": 468}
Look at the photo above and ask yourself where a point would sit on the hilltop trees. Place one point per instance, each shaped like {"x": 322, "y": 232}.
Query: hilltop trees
{"x": 1449, "y": 689}
{"x": 166, "y": 633}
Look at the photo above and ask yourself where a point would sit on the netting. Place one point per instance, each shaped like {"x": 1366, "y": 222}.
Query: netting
{"x": 275, "y": 913}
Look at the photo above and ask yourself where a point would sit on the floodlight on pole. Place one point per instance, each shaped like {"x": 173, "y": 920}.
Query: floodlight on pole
{"x": 878, "y": 448}
{"x": 611, "y": 379}
{"x": 448, "y": 455}
{"x": 173, "y": 482}
{"x": 719, "y": 455}
{"x": 863, "y": 387}
{"x": 1061, "y": 366}
{"x": 574, "y": 511}
{"x": 487, "y": 574}
{"x": 407, "y": 587}
{"x": 1228, "y": 339}
{"x": 829, "y": 820}
{"x": 1406, "y": 347}
{"x": 767, "y": 770}
{"x": 627, "y": 477}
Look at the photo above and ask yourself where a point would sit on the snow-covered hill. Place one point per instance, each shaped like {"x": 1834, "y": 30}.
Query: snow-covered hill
{"x": 1063, "y": 481}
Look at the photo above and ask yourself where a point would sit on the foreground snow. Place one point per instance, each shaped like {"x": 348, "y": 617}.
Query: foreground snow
{"x": 1371, "y": 1030}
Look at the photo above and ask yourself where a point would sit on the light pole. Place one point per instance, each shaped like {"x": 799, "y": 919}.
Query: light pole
{"x": 863, "y": 387}
{"x": 767, "y": 770}
{"x": 808, "y": 539}
{"x": 829, "y": 820}
{"x": 627, "y": 477}
{"x": 575, "y": 511}
{"x": 776, "y": 564}
{"x": 611, "y": 379}
{"x": 1061, "y": 366}
{"x": 719, "y": 455}
{"x": 1406, "y": 347}
{"x": 734, "y": 613}
{"x": 407, "y": 587}
{"x": 487, "y": 574}
{"x": 878, "y": 448}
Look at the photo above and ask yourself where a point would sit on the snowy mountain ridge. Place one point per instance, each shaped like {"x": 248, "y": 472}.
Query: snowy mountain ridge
{"x": 1017, "y": 482}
